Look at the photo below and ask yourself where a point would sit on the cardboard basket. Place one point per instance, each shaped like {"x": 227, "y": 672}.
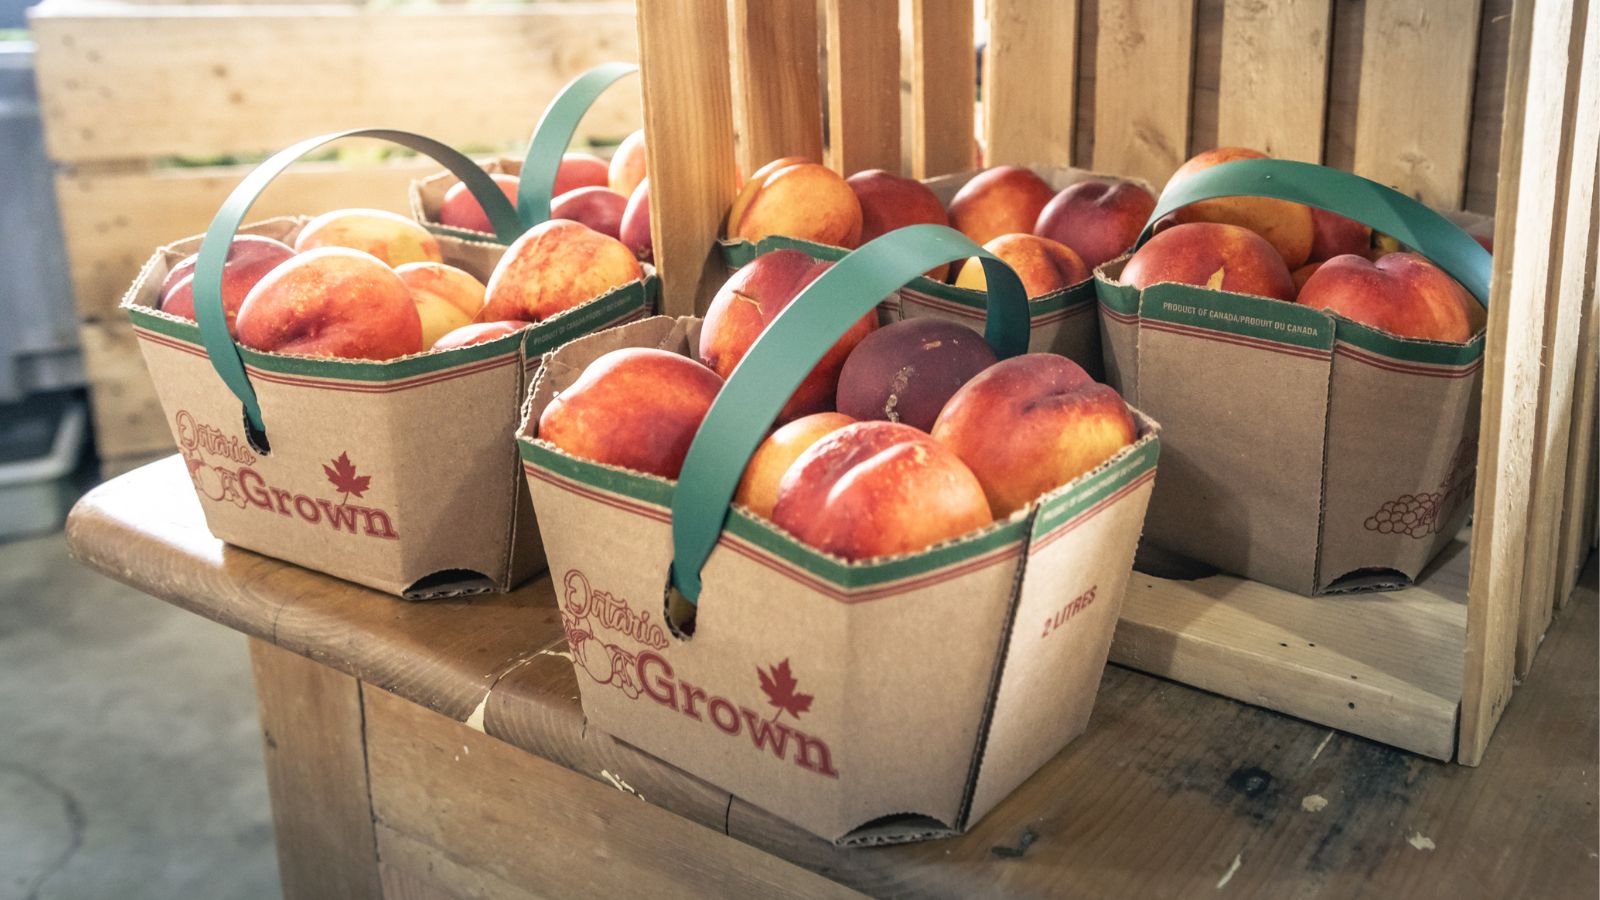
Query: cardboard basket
{"x": 536, "y": 172}
{"x": 1304, "y": 450}
{"x": 868, "y": 702}
{"x": 1061, "y": 321}
{"x": 396, "y": 475}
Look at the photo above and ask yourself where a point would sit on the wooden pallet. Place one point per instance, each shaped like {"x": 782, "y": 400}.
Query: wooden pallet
{"x": 1483, "y": 105}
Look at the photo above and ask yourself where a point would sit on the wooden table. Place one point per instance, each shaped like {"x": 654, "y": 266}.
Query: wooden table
{"x": 437, "y": 750}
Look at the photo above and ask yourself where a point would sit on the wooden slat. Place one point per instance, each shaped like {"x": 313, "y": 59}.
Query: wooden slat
{"x": 688, "y": 114}
{"x": 1207, "y": 74}
{"x": 1488, "y": 104}
{"x": 1029, "y": 95}
{"x": 1273, "y": 88}
{"x": 416, "y": 870}
{"x": 863, "y": 85}
{"x": 317, "y": 775}
{"x": 128, "y": 421}
{"x": 133, "y": 82}
{"x": 1530, "y": 152}
{"x": 777, "y": 91}
{"x": 1563, "y": 315}
{"x": 1382, "y": 666}
{"x": 1416, "y": 96}
{"x": 113, "y": 219}
{"x": 1578, "y": 517}
{"x": 1142, "y": 80}
{"x": 944, "y": 89}
{"x": 527, "y": 821}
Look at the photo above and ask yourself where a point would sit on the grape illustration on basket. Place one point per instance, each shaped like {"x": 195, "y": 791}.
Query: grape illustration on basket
{"x": 1421, "y": 515}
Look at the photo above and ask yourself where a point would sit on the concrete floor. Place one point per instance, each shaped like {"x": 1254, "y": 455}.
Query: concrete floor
{"x": 130, "y": 758}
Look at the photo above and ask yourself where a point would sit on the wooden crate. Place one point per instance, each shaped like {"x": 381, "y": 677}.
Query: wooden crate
{"x": 125, "y": 87}
{"x": 1487, "y": 105}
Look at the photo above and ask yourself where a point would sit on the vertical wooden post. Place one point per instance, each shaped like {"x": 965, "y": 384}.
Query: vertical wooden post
{"x": 1530, "y": 150}
{"x": 1144, "y": 69}
{"x": 688, "y": 121}
{"x": 1030, "y": 72}
{"x": 1272, "y": 89}
{"x": 944, "y": 88}
{"x": 863, "y": 85}
{"x": 317, "y": 775}
{"x": 777, "y": 92}
{"x": 1578, "y": 518}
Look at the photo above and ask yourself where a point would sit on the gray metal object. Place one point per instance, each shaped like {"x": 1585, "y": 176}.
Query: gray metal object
{"x": 38, "y": 327}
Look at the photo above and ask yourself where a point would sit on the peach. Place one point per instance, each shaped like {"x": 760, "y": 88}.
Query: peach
{"x": 758, "y": 488}
{"x": 889, "y": 202}
{"x": 806, "y": 201}
{"x": 597, "y": 207}
{"x": 477, "y": 333}
{"x": 748, "y": 303}
{"x": 752, "y": 184}
{"x": 1001, "y": 200}
{"x": 580, "y": 170}
{"x": 1303, "y": 274}
{"x": 878, "y": 489}
{"x": 906, "y": 371}
{"x": 1334, "y": 235}
{"x": 460, "y": 209}
{"x": 1402, "y": 294}
{"x": 446, "y": 297}
{"x": 1208, "y": 254}
{"x": 1045, "y": 266}
{"x": 627, "y": 164}
{"x": 1031, "y": 423}
{"x": 250, "y": 258}
{"x": 393, "y": 239}
{"x": 554, "y": 267}
{"x": 1286, "y": 226}
{"x": 1099, "y": 220}
{"x": 332, "y": 301}
{"x": 635, "y": 228}
{"x": 637, "y": 408}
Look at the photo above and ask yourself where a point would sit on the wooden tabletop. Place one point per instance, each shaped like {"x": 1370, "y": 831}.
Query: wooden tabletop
{"x": 1172, "y": 792}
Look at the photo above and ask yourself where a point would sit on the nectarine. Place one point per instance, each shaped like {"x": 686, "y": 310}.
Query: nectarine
{"x": 1001, "y": 200}
{"x": 1045, "y": 266}
{"x": 908, "y": 370}
{"x": 1402, "y": 294}
{"x": 1207, "y": 254}
{"x": 1099, "y": 220}
{"x": 331, "y": 301}
{"x": 478, "y": 333}
{"x": 554, "y": 267}
{"x": 889, "y": 202}
{"x": 597, "y": 207}
{"x": 460, "y": 209}
{"x": 446, "y": 297}
{"x": 628, "y": 164}
{"x": 758, "y": 488}
{"x": 392, "y": 238}
{"x": 250, "y": 258}
{"x": 1287, "y": 226}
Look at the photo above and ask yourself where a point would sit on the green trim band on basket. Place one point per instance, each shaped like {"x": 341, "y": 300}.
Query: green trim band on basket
{"x": 787, "y": 350}
{"x": 1368, "y": 202}
{"x": 220, "y": 347}
{"x": 1252, "y": 317}
{"x": 536, "y": 185}
{"x": 1115, "y": 475}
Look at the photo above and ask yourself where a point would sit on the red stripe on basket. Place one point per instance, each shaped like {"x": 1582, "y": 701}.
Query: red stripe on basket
{"x": 1393, "y": 365}
{"x": 1124, "y": 318}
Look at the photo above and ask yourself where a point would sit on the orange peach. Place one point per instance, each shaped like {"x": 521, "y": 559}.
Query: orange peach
{"x": 806, "y": 201}
{"x": 637, "y": 408}
{"x": 752, "y": 184}
{"x": 1334, "y": 235}
{"x": 1303, "y": 274}
{"x": 889, "y": 202}
{"x": 1286, "y": 226}
{"x": 250, "y": 258}
{"x": 460, "y": 209}
{"x": 1099, "y": 220}
{"x": 554, "y": 267}
{"x": 1001, "y": 200}
{"x": 446, "y": 297}
{"x": 628, "y": 164}
{"x": 478, "y": 333}
{"x": 1029, "y": 424}
{"x": 635, "y": 228}
{"x": 1045, "y": 266}
{"x": 332, "y": 301}
{"x": 748, "y": 303}
{"x": 394, "y": 239}
{"x": 580, "y": 170}
{"x": 1402, "y": 294}
{"x": 878, "y": 489}
{"x": 758, "y": 488}
{"x": 1208, "y": 254}
{"x": 597, "y": 207}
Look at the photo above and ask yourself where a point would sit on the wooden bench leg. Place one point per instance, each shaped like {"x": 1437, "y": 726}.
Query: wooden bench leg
{"x": 311, "y": 726}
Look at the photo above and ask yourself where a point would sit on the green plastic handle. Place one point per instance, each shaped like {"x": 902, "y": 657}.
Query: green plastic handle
{"x": 787, "y": 350}
{"x": 1361, "y": 199}
{"x": 536, "y": 185}
{"x": 224, "y": 354}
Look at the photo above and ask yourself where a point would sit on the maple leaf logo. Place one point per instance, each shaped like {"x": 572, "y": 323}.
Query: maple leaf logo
{"x": 342, "y": 474}
{"x": 779, "y": 684}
